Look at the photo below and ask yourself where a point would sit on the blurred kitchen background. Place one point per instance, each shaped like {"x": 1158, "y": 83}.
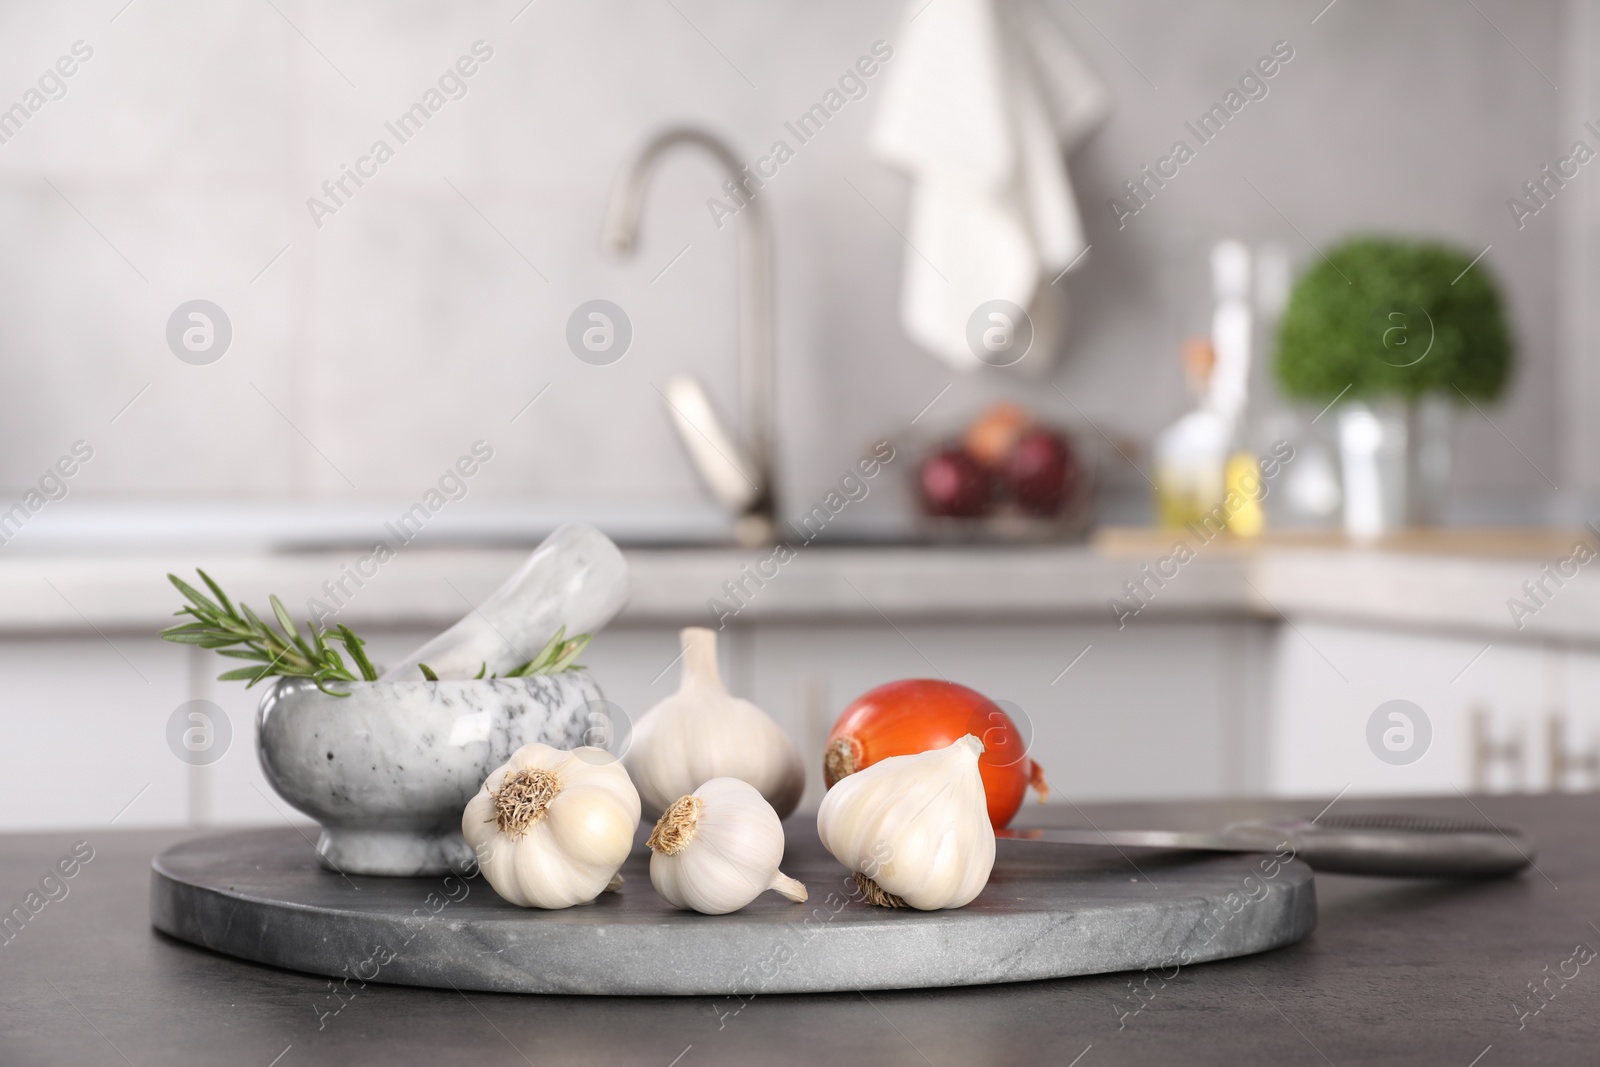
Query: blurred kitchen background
{"x": 373, "y": 346}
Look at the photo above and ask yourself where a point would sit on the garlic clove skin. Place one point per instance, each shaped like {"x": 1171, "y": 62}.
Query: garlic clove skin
{"x": 703, "y": 732}
{"x": 717, "y": 849}
{"x": 552, "y": 828}
{"x": 917, "y": 826}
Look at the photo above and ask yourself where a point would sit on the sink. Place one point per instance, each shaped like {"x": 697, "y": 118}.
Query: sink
{"x": 105, "y": 526}
{"x": 85, "y": 526}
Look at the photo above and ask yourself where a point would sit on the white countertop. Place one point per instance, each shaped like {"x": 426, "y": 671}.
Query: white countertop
{"x": 428, "y": 587}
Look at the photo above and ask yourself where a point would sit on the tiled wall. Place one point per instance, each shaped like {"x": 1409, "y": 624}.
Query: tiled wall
{"x": 426, "y": 312}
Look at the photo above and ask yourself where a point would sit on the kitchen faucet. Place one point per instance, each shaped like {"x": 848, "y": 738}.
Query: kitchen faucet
{"x": 739, "y": 474}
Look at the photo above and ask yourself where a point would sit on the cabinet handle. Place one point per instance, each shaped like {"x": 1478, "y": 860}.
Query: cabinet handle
{"x": 1562, "y": 761}
{"x": 1487, "y": 752}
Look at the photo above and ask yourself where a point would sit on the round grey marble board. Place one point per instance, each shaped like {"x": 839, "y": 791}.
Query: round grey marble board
{"x": 1048, "y": 912}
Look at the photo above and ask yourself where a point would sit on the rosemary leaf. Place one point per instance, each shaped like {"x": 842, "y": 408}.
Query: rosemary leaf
{"x": 357, "y": 649}
{"x": 194, "y": 595}
{"x": 187, "y": 638}
{"x": 289, "y": 629}
{"x": 216, "y": 590}
{"x": 245, "y": 653}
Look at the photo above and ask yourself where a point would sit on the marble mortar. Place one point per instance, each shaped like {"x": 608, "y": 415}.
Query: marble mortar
{"x": 388, "y": 769}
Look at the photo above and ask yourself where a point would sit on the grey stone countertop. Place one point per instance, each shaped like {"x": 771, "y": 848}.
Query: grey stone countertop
{"x": 420, "y": 587}
{"x": 1397, "y": 972}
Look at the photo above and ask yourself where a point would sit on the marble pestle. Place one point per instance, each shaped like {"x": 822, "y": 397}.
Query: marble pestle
{"x": 576, "y": 578}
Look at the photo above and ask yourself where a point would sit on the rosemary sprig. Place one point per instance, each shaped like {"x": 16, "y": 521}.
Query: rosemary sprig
{"x": 239, "y": 633}
{"x": 556, "y": 656}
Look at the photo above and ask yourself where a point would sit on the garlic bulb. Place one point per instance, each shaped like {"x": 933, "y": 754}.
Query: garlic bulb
{"x": 551, "y": 828}
{"x": 915, "y": 829}
{"x": 718, "y": 848}
{"x": 703, "y": 732}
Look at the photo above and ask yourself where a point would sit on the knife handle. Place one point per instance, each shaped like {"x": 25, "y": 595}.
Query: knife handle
{"x": 1403, "y": 846}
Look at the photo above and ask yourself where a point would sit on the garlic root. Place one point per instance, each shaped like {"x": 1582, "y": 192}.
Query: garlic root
{"x": 677, "y": 825}
{"x": 873, "y": 893}
{"x": 523, "y": 798}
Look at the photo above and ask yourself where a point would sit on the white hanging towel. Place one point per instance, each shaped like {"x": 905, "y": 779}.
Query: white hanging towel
{"x": 982, "y": 103}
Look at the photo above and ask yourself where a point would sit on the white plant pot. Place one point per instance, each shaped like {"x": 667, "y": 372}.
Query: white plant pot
{"x": 1395, "y": 461}
{"x": 1430, "y": 453}
{"x": 1372, "y": 459}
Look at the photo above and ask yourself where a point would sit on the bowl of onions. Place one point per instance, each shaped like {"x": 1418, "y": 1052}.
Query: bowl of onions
{"x": 1003, "y": 476}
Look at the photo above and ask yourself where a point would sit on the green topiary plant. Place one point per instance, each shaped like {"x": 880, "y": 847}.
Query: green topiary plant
{"x": 1386, "y": 317}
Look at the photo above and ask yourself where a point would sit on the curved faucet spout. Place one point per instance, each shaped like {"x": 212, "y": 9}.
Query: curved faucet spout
{"x": 620, "y": 236}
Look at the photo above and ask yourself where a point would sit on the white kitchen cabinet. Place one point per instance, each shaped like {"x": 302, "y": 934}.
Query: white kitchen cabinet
{"x": 1160, "y": 709}
{"x": 80, "y": 751}
{"x": 1487, "y": 704}
{"x": 1181, "y": 705}
{"x": 85, "y": 722}
{"x": 1157, "y": 710}
{"x": 1164, "y": 708}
